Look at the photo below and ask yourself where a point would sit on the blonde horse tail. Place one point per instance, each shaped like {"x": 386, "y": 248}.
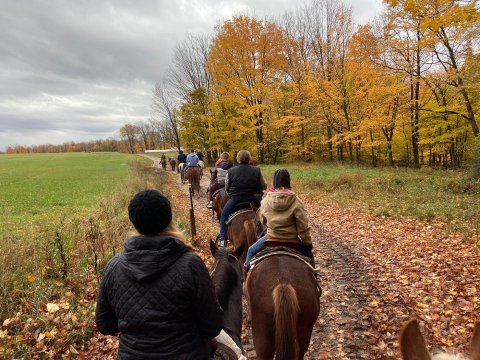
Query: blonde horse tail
{"x": 286, "y": 307}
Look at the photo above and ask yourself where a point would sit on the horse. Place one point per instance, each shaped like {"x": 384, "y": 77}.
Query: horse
{"x": 193, "y": 177}
{"x": 412, "y": 344}
{"x": 180, "y": 170}
{"x": 220, "y": 198}
{"x": 284, "y": 302}
{"x": 227, "y": 278}
{"x": 239, "y": 230}
{"x": 172, "y": 163}
{"x": 201, "y": 165}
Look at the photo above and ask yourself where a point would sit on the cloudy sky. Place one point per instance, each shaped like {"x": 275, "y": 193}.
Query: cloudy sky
{"x": 79, "y": 70}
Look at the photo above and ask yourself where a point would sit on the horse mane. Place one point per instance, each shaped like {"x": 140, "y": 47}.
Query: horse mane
{"x": 222, "y": 276}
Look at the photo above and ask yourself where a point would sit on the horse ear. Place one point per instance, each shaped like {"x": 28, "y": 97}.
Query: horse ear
{"x": 213, "y": 248}
{"x": 254, "y": 208}
{"x": 211, "y": 172}
{"x": 412, "y": 344}
{"x": 475, "y": 343}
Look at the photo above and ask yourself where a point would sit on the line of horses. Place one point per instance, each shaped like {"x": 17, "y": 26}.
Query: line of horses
{"x": 282, "y": 294}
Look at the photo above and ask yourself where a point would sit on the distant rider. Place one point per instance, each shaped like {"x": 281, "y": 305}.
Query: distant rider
{"x": 219, "y": 175}
{"x": 181, "y": 159}
{"x": 192, "y": 161}
{"x": 244, "y": 183}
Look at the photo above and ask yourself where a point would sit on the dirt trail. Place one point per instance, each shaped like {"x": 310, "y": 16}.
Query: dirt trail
{"x": 344, "y": 283}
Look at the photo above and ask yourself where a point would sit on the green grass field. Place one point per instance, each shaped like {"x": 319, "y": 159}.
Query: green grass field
{"x": 62, "y": 215}
{"x": 36, "y": 189}
{"x": 427, "y": 194}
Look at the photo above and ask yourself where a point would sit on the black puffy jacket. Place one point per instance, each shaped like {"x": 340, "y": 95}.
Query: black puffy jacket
{"x": 181, "y": 158}
{"x": 161, "y": 299}
{"x": 244, "y": 180}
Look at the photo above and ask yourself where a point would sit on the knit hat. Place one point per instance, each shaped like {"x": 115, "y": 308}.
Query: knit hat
{"x": 150, "y": 212}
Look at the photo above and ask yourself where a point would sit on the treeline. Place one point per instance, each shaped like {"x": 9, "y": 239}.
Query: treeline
{"x": 312, "y": 86}
{"x": 108, "y": 145}
{"x": 134, "y": 138}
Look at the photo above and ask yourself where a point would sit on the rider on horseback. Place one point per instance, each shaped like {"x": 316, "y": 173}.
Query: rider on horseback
{"x": 284, "y": 216}
{"x": 219, "y": 175}
{"x": 244, "y": 183}
{"x": 192, "y": 161}
{"x": 181, "y": 159}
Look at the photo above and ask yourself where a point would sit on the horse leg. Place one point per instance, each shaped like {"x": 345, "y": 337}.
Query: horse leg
{"x": 263, "y": 334}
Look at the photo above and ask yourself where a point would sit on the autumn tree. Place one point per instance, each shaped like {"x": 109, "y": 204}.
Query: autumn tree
{"x": 329, "y": 28}
{"x": 194, "y": 120}
{"x": 129, "y": 134}
{"x": 453, "y": 28}
{"x": 164, "y": 109}
{"x": 188, "y": 71}
{"x": 246, "y": 61}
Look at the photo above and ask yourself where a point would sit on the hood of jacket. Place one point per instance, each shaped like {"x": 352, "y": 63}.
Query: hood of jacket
{"x": 146, "y": 256}
{"x": 280, "y": 200}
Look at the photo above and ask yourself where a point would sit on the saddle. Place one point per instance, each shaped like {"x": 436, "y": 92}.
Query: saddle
{"x": 238, "y": 212}
{"x": 246, "y": 205}
{"x": 288, "y": 250}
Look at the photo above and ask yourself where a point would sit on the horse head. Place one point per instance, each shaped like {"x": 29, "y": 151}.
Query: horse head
{"x": 227, "y": 279}
{"x": 413, "y": 347}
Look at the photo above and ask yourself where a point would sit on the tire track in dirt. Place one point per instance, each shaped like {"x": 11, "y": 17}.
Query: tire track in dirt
{"x": 339, "y": 332}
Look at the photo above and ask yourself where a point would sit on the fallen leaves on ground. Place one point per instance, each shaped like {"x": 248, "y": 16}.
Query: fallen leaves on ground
{"x": 377, "y": 272}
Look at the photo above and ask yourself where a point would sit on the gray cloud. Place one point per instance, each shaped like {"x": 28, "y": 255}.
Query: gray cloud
{"x": 79, "y": 70}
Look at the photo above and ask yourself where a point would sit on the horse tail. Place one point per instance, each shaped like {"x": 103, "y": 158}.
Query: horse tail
{"x": 286, "y": 307}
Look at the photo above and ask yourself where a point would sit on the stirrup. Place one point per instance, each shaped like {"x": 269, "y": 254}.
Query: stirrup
{"x": 222, "y": 243}
{"x": 210, "y": 205}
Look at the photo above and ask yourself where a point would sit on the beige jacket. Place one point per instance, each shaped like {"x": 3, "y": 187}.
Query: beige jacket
{"x": 284, "y": 216}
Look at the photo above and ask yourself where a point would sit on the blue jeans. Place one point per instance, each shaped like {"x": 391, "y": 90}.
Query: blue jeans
{"x": 253, "y": 250}
{"x": 228, "y": 209}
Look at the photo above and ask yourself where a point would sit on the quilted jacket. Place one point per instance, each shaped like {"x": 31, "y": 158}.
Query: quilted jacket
{"x": 160, "y": 297}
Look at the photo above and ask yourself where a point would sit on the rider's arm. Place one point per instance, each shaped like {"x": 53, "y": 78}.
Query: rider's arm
{"x": 303, "y": 229}
{"x": 263, "y": 182}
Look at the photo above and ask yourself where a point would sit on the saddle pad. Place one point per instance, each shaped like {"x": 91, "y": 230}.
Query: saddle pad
{"x": 280, "y": 250}
{"x": 238, "y": 212}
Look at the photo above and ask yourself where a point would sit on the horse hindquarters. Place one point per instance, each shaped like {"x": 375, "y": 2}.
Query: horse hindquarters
{"x": 286, "y": 318}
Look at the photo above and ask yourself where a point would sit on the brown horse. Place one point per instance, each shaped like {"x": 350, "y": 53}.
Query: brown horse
{"x": 193, "y": 177}
{"x": 172, "y": 163}
{"x": 219, "y": 201}
{"x": 239, "y": 230}
{"x": 283, "y": 299}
